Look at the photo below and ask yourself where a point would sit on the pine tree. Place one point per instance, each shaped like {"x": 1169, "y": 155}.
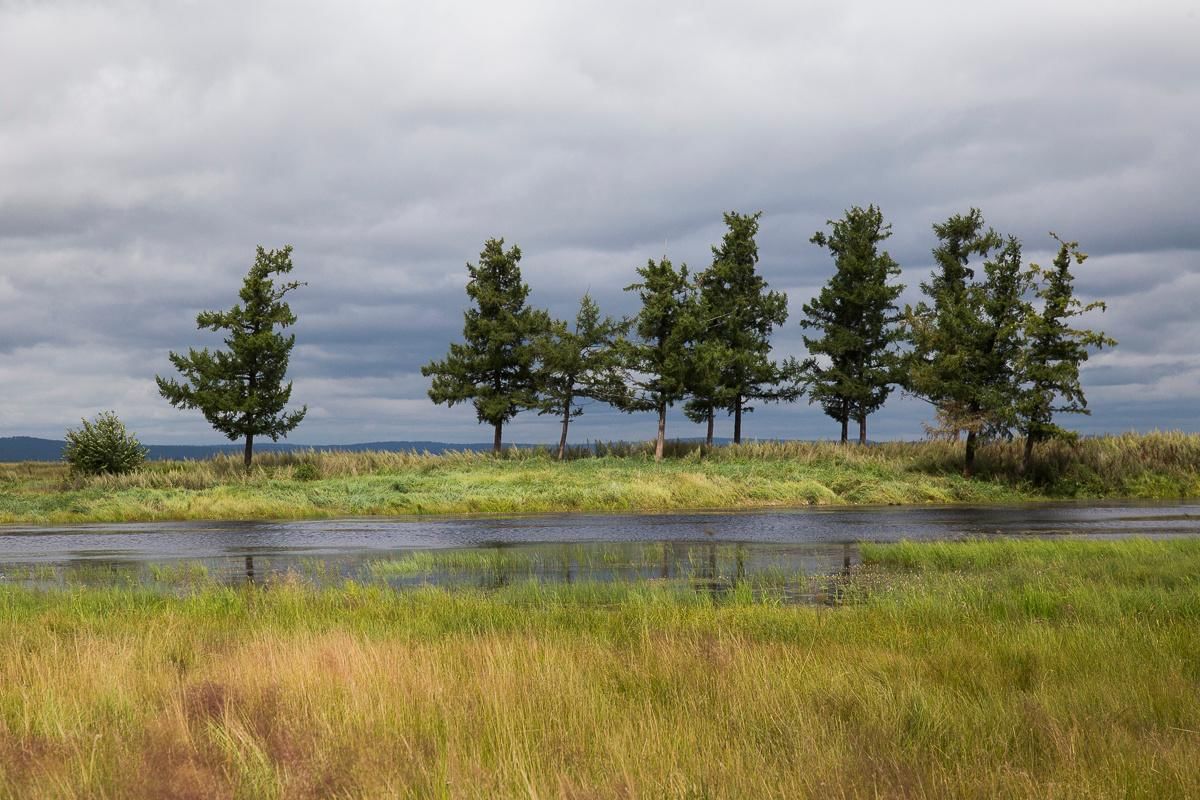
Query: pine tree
{"x": 494, "y": 366}
{"x": 740, "y": 315}
{"x": 706, "y": 394}
{"x": 999, "y": 343}
{"x": 1055, "y": 351}
{"x": 708, "y": 356}
{"x": 656, "y": 363}
{"x": 578, "y": 364}
{"x": 241, "y": 390}
{"x": 967, "y": 345}
{"x": 854, "y": 363}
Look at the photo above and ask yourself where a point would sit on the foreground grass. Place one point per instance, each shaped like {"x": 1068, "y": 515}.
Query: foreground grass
{"x": 998, "y": 669}
{"x": 1153, "y": 466}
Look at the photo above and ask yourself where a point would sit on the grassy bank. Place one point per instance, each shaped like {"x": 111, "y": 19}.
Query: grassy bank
{"x": 999, "y": 669}
{"x": 1153, "y": 466}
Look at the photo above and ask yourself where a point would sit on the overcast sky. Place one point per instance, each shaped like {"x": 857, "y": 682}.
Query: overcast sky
{"x": 146, "y": 148}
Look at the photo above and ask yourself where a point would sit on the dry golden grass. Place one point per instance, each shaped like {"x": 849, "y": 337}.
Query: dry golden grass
{"x": 1009, "y": 669}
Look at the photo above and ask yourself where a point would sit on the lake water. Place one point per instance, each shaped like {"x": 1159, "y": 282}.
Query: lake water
{"x": 714, "y": 548}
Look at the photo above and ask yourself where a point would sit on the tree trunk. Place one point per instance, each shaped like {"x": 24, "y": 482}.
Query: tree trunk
{"x": 249, "y": 453}
{"x": 845, "y": 429}
{"x": 862, "y": 430}
{"x": 969, "y": 462}
{"x": 709, "y": 436}
{"x": 1027, "y": 461}
{"x": 660, "y": 441}
{"x": 737, "y": 420}
{"x": 562, "y": 440}
{"x": 496, "y": 439}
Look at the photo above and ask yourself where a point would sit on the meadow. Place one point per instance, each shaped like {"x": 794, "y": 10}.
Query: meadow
{"x": 606, "y": 478}
{"x": 1041, "y": 669}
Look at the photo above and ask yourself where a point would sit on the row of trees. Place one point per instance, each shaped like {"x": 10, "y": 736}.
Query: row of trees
{"x": 700, "y": 339}
{"x": 993, "y": 350}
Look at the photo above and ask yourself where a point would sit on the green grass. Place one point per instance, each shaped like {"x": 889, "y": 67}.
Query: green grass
{"x": 979, "y": 669}
{"x": 1152, "y": 466}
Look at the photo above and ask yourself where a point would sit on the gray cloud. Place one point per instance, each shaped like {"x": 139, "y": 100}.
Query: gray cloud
{"x": 145, "y": 148}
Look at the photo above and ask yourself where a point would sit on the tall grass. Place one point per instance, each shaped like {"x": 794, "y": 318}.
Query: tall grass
{"x": 1031, "y": 669}
{"x": 604, "y": 478}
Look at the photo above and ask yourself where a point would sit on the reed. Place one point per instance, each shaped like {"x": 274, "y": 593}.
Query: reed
{"x": 1010, "y": 669}
{"x": 604, "y": 478}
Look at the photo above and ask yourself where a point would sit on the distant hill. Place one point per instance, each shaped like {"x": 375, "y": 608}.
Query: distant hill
{"x": 28, "y": 448}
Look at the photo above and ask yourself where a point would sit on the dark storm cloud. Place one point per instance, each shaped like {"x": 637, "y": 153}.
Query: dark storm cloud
{"x": 145, "y": 149}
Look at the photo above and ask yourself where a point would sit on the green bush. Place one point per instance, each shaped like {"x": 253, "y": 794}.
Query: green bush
{"x": 307, "y": 471}
{"x": 103, "y": 446}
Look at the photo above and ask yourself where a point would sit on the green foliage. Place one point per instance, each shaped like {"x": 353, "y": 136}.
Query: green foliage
{"x": 854, "y": 361}
{"x": 103, "y": 447}
{"x": 657, "y": 362}
{"x": 494, "y": 367}
{"x": 241, "y": 390}
{"x": 999, "y": 338}
{"x": 578, "y": 364}
{"x": 944, "y": 328}
{"x": 967, "y": 339}
{"x": 307, "y": 471}
{"x": 1054, "y": 351}
{"x": 737, "y": 314}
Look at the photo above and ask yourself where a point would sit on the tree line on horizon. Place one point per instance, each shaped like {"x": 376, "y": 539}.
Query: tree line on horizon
{"x": 991, "y": 345}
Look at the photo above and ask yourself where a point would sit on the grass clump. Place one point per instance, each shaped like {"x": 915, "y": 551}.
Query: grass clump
{"x": 1010, "y": 669}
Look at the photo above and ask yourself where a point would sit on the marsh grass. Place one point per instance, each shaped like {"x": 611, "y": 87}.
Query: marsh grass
{"x": 605, "y": 478}
{"x": 979, "y": 669}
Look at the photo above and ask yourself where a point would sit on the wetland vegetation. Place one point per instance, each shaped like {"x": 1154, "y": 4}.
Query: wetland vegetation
{"x": 999, "y": 668}
{"x": 604, "y": 478}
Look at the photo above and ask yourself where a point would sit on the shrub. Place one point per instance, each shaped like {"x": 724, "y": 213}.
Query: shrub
{"x": 103, "y": 446}
{"x": 307, "y": 471}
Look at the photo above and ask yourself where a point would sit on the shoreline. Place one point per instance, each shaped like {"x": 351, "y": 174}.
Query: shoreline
{"x": 1030, "y": 503}
{"x": 754, "y": 477}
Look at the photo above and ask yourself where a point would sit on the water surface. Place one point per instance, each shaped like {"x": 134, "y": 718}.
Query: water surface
{"x": 716, "y": 548}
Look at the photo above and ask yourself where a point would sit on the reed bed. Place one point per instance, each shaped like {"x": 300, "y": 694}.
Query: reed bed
{"x": 979, "y": 669}
{"x": 616, "y": 477}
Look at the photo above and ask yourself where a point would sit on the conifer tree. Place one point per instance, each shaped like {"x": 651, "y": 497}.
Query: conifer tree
{"x": 967, "y": 345}
{"x": 241, "y": 390}
{"x": 494, "y": 366}
{"x": 1055, "y": 351}
{"x": 657, "y": 361}
{"x": 1002, "y": 300}
{"x": 578, "y": 364}
{"x": 740, "y": 313}
{"x": 943, "y": 329}
{"x": 854, "y": 362}
{"x": 708, "y": 356}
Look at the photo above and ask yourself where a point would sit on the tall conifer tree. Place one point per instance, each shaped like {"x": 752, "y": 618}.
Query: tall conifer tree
{"x": 241, "y": 390}
{"x": 708, "y": 354}
{"x": 494, "y": 366}
{"x": 968, "y": 339}
{"x": 854, "y": 361}
{"x": 657, "y": 360}
{"x": 740, "y": 315}
{"x": 579, "y": 363}
{"x": 1055, "y": 351}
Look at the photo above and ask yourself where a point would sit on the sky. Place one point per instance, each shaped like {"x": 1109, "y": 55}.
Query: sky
{"x": 147, "y": 148}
